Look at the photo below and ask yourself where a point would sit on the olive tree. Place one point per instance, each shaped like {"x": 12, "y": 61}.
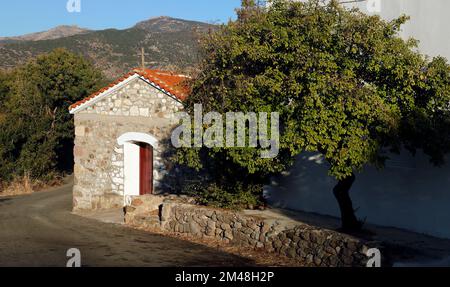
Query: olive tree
{"x": 344, "y": 83}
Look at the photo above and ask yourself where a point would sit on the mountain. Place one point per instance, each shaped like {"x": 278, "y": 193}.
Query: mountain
{"x": 168, "y": 42}
{"x": 55, "y": 33}
{"x": 167, "y": 24}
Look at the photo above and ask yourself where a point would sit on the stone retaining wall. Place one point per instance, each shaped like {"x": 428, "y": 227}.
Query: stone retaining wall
{"x": 309, "y": 245}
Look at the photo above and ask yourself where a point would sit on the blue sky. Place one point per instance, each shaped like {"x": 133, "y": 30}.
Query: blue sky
{"x": 19, "y": 17}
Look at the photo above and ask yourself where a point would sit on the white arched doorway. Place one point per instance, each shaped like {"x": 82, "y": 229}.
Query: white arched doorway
{"x": 138, "y": 151}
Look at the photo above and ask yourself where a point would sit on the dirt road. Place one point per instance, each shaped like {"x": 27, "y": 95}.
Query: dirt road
{"x": 38, "y": 229}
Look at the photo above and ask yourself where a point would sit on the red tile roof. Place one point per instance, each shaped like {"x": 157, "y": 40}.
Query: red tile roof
{"x": 170, "y": 82}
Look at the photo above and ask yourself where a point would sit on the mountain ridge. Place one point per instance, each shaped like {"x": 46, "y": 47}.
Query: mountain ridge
{"x": 169, "y": 43}
{"x": 57, "y": 32}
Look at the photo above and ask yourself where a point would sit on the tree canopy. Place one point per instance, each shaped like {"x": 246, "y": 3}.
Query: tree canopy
{"x": 344, "y": 83}
{"x": 36, "y": 130}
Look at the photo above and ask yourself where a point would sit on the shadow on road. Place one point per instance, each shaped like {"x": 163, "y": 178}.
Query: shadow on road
{"x": 38, "y": 229}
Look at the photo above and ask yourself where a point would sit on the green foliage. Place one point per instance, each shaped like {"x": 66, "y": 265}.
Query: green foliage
{"x": 36, "y": 133}
{"x": 345, "y": 85}
{"x": 230, "y": 196}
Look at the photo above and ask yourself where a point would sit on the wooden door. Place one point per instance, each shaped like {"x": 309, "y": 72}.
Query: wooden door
{"x": 146, "y": 169}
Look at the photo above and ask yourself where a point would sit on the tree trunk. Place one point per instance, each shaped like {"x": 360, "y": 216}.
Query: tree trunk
{"x": 341, "y": 192}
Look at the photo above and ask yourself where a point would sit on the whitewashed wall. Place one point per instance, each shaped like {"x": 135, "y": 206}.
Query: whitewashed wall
{"x": 409, "y": 193}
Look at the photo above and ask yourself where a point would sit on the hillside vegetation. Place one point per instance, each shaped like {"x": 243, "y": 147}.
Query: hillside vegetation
{"x": 169, "y": 43}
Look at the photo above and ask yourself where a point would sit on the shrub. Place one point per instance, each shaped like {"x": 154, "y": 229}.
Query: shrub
{"x": 231, "y": 196}
{"x": 36, "y": 129}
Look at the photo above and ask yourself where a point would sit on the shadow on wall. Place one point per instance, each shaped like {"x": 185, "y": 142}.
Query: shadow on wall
{"x": 409, "y": 193}
{"x": 172, "y": 177}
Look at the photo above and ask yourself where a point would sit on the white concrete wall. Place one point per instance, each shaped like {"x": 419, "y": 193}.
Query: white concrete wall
{"x": 409, "y": 193}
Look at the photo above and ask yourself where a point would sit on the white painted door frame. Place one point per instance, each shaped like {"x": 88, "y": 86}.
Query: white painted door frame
{"x": 131, "y": 169}
{"x": 131, "y": 151}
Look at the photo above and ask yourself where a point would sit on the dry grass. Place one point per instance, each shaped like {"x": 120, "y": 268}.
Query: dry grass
{"x": 21, "y": 186}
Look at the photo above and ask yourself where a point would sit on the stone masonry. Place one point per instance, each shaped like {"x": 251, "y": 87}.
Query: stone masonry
{"x": 309, "y": 245}
{"x": 99, "y": 166}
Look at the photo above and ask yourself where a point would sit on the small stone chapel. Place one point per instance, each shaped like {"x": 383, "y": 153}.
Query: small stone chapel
{"x": 120, "y": 134}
